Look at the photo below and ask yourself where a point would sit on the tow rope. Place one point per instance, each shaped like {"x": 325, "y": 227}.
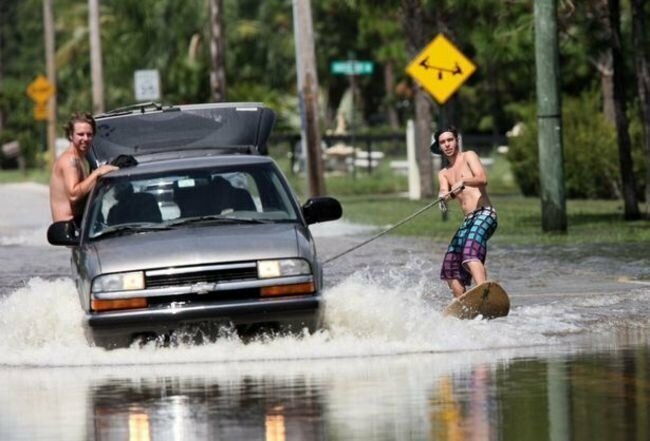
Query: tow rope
{"x": 378, "y": 235}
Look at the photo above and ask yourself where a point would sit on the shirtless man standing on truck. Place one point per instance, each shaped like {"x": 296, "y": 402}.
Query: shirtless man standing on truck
{"x": 464, "y": 178}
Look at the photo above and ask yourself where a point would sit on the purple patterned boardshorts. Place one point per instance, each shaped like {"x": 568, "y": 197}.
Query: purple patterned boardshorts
{"x": 469, "y": 243}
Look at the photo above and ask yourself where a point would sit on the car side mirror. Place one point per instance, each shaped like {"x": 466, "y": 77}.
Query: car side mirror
{"x": 321, "y": 209}
{"x": 63, "y": 233}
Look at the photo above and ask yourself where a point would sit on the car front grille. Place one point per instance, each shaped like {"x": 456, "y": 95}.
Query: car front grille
{"x": 222, "y": 296}
{"x": 204, "y": 273}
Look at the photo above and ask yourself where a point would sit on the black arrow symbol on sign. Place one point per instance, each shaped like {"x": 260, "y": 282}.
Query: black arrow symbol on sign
{"x": 456, "y": 71}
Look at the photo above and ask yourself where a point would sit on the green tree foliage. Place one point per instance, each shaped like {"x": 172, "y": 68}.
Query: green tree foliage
{"x": 172, "y": 37}
{"x": 380, "y": 30}
{"x": 590, "y": 152}
{"x": 22, "y": 59}
{"x": 503, "y": 50}
{"x": 152, "y": 34}
{"x": 260, "y": 56}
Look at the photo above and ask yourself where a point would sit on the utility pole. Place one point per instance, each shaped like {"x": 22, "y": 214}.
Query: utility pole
{"x": 308, "y": 95}
{"x": 412, "y": 13}
{"x": 218, "y": 75}
{"x": 48, "y": 28}
{"x": 549, "y": 119}
{"x": 96, "y": 69}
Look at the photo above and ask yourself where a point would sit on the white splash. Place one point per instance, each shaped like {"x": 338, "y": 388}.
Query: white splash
{"x": 27, "y": 237}
{"x": 43, "y": 314}
{"x": 341, "y": 227}
{"x": 42, "y": 325}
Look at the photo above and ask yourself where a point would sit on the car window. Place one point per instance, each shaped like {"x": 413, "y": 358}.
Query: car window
{"x": 245, "y": 193}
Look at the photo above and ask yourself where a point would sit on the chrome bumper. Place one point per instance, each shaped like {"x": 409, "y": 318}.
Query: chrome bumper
{"x": 116, "y": 328}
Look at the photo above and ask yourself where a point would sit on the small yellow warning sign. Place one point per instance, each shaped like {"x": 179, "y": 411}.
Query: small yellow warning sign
{"x": 441, "y": 68}
{"x": 40, "y": 90}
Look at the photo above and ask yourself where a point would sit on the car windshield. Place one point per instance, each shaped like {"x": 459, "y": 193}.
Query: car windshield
{"x": 233, "y": 194}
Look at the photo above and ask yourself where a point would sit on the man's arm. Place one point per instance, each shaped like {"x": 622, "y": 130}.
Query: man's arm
{"x": 75, "y": 187}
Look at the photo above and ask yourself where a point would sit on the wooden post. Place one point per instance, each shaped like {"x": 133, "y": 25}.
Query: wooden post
{"x": 48, "y": 28}
{"x": 415, "y": 193}
{"x": 549, "y": 120}
{"x": 308, "y": 95}
{"x": 96, "y": 67}
{"x": 423, "y": 139}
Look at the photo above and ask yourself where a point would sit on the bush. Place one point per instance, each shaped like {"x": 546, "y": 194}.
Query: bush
{"x": 19, "y": 124}
{"x": 590, "y": 151}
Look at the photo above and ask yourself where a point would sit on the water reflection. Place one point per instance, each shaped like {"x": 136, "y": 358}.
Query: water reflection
{"x": 463, "y": 396}
{"x": 174, "y": 409}
{"x": 598, "y": 396}
{"x": 473, "y": 418}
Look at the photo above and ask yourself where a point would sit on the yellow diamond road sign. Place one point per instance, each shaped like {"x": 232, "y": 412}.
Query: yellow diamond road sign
{"x": 441, "y": 68}
{"x": 40, "y": 90}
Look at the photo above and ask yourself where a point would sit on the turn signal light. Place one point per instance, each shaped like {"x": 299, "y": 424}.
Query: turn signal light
{"x": 108, "y": 305}
{"x": 283, "y": 290}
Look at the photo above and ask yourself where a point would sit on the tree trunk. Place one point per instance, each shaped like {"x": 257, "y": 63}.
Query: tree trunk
{"x": 2, "y": 116}
{"x": 218, "y": 74}
{"x": 413, "y": 28}
{"x": 604, "y": 61}
{"x": 607, "y": 86}
{"x": 389, "y": 90}
{"x": 641, "y": 43}
{"x": 623, "y": 135}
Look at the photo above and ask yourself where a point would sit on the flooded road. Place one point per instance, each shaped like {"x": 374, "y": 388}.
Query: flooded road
{"x": 571, "y": 361}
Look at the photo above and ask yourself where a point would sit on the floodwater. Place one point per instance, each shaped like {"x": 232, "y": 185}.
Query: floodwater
{"x": 570, "y": 362}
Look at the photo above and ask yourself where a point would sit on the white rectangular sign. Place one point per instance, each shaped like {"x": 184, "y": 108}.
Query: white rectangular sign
{"x": 147, "y": 85}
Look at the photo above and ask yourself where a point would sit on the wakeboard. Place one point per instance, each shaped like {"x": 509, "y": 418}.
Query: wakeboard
{"x": 488, "y": 299}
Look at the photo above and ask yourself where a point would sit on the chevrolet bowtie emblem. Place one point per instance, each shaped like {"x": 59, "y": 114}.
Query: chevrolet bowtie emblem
{"x": 202, "y": 287}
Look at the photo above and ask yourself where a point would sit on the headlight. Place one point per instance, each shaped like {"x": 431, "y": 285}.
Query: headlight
{"x": 282, "y": 268}
{"x": 119, "y": 282}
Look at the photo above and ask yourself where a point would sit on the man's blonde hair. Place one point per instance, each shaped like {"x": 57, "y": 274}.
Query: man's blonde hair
{"x": 79, "y": 117}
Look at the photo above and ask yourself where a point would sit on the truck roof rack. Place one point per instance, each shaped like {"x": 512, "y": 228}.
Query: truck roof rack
{"x": 141, "y": 107}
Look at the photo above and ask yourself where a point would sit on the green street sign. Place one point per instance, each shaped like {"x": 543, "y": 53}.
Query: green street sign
{"x": 352, "y": 67}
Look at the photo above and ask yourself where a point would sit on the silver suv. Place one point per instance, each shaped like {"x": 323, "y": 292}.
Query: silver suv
{"x": 202, "y": 231}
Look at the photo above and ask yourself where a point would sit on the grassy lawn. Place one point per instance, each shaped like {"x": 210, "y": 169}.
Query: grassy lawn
{"x": 519, "y": 220}
{"x": 378, "y": 199}
{"x": 30, "y": 175}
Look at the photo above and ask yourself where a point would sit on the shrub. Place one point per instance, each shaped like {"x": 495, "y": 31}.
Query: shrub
{"x": 590, "y": 151}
